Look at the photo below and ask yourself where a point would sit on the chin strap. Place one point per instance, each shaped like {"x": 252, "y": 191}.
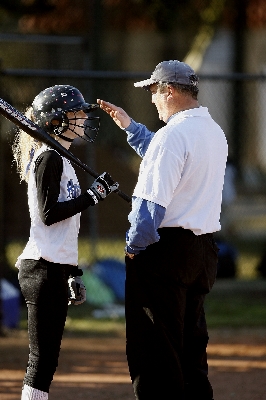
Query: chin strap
{"x": 65, "y": 138}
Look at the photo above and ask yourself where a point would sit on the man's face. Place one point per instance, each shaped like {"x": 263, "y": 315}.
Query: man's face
{"x": 160, "y": 100}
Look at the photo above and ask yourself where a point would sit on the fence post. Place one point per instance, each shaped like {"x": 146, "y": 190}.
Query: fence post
{"x": 238, "y": 89}
{"x": 2, "y": 236}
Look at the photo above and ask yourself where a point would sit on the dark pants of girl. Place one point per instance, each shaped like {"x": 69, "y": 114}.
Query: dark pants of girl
{"x": 166, "y": 329}
{"x": 45, "y": 289}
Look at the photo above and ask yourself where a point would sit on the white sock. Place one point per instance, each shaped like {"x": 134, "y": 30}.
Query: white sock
{"x": 29, "y": 393}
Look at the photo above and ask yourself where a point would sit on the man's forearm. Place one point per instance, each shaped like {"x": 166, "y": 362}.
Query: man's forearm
{"x": 145, "y": 218}
{"x": 139, "y": 137}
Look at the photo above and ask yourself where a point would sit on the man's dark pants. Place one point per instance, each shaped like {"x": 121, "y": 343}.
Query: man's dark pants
{"x": 165, "y": 322}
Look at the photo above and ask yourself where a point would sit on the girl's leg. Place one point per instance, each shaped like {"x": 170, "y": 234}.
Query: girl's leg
{"x": 44, "y": 286}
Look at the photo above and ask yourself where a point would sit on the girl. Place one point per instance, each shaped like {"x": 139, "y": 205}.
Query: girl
{"x": 48, "y": 263}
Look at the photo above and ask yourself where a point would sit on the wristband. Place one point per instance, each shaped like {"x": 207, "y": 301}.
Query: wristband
{"x": 93, "y": 196}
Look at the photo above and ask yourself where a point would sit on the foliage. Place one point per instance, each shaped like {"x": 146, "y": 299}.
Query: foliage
{"x": 28, "y": 6}
{"x": 161, "y": 15}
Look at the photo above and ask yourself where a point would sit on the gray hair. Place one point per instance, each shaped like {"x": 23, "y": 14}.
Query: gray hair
{"x": 190, "y": 90}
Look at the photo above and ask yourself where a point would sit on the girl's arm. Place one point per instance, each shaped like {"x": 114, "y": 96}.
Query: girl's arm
{"x": 48, "y": 171}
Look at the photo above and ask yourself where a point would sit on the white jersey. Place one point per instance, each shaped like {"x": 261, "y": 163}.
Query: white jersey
{"x": 57, "y": 243}
{"x": 183, "y": 171}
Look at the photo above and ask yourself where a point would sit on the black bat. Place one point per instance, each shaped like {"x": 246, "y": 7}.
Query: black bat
{"x": 20, "y": 120}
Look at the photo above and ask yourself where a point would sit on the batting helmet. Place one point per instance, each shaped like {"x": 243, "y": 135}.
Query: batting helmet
{"x": 50, "y": 108}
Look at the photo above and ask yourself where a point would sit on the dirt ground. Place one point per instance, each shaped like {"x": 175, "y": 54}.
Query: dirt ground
{"x": 95, "y": 368}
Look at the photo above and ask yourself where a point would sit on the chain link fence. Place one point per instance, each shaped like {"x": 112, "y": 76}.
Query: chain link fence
{"x": 236, "y": 102}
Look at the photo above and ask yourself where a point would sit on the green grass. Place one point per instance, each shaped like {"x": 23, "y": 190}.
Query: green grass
{"x": 237, "y": 303}
{"x": 80, "y": 322}
{"x": 235, "y": 306}
{"x": 236, "y": 310}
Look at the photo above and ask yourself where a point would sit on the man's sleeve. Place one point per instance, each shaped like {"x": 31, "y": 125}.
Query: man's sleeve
{"x": 138, "y": 137}
{"x": 145, "y": 218}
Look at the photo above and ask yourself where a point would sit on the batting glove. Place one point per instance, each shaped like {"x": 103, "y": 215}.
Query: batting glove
{"x": 77, "y": 291}
{"x": 101, "y": 187}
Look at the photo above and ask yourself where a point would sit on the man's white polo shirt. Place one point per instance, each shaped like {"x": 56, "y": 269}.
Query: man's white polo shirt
{"x": 183, "y": 171}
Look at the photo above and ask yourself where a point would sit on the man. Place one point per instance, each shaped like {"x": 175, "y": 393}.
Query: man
{"x": 171, "y": 256}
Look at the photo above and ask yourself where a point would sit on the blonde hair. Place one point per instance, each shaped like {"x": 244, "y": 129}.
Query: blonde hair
{"x": 23, "y": 148}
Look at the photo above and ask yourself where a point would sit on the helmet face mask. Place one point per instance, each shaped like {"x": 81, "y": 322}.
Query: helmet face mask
{"x": 90, "y": 125}
{"x": 50, "y": 110}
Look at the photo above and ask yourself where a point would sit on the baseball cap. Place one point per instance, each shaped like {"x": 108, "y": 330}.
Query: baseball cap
{"x": 169, "y": 72}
